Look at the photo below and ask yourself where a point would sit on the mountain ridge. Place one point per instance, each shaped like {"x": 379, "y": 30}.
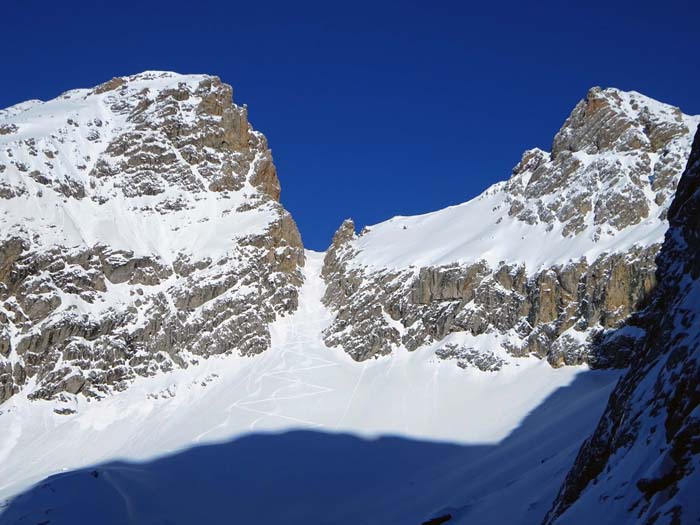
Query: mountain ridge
{"x": 548, "y": 261}
{"x": 155, "y": 293}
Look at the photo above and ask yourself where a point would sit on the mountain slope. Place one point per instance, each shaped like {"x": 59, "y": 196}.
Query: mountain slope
{"x": 157, "y": 307}
{"x": 140, "y": 231}
{"x": 424, "y": 438}
{"x": 543, "y": 263}
{"x": 642, "y": 463}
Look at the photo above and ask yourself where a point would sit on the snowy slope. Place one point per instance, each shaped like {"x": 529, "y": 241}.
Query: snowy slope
{"x": 155, "y": 331}
{"x": 301, "y": 384}
{"x": 482, "y": 230}
{"x": 487, "y": 228}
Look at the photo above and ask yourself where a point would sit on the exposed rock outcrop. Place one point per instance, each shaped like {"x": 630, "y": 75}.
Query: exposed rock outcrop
{"x": 556, "y": 314}
{"x": 141, "y": 231}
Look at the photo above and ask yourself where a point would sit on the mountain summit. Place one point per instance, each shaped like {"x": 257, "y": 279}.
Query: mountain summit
{"x": 141, "y": 231}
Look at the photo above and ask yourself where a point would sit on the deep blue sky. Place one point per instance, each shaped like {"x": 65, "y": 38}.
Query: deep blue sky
{"x": 372, "y": 109}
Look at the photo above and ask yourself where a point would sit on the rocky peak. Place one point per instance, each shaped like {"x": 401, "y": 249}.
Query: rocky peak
{"x": 547, "y": 263}
{"x": 333, "y": 262}
{"x": 141, "y": 229}
{"x": 530, "y": 161}
{"x": 618, "y": 121}
{"x": 614, "y": 163}
{"x": 344, "y": 234}
{"x": 187, "y": 125}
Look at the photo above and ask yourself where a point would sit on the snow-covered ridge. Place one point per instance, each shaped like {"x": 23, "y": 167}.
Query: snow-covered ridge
{"x": 57, "y": 145}
{"x": 543, "y": 263}
{"x": 482, "y": 230}
{"x": 558, "y": 206}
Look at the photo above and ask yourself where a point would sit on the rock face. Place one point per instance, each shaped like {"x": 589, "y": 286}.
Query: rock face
{"x": 547, "y": 263}
{"x": 642, "y": 463}
{"x": 140, "y": 230}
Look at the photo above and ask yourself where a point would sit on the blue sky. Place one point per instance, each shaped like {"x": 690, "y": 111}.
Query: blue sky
{"x": 372, "y": 109}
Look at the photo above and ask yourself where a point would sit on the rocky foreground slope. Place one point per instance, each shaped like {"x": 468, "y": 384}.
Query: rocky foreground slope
{"x": 642, "y": 463}
{"x": 545, "y": 263}
{"x": 140, "y": 230}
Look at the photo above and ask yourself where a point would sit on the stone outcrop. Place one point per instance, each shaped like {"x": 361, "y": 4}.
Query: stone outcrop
{"x": 610, "y": 152}
{"x": 175, "y": 166}
{"x": 557, "y": 314}
{"x": 613, "y": 168}
{"x": 466, "y": 357}
{"x": 641, "y": 464}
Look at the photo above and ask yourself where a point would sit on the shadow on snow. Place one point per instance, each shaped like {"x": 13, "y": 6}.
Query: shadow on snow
{"x": 323, "y": 478}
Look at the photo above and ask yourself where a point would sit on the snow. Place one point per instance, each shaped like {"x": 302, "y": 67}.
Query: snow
{"x": 62, "y": 126}
{"x": 119, "y": 224}
{"x": 300, "y": 433}
{"x": 482, "y": 229}
{"x": 297, "y": 384}
{"x": 469, "y": 232}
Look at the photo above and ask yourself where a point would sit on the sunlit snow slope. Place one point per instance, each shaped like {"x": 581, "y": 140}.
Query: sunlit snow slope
{"x": 604, "y": 187}
{"x": 301, "y": 384}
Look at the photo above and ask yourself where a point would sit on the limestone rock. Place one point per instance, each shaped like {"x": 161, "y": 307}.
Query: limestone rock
{"x": 613, "y": 167}
{"x": 169, "y": 242}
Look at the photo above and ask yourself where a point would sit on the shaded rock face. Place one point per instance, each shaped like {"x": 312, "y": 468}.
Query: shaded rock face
{"x": 614, "y": 166}
{"x": 642, "y": 463}
{"x": 141, "y": 231}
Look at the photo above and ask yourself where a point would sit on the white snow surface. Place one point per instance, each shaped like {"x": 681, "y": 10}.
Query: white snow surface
{"x": 301, "y": 384}
{"x": 482, "y": 229}
{"x": 64, "y": 127}
{"x": 469, "y": 232}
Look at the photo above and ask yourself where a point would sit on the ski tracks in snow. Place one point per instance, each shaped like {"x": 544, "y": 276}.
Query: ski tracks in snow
{"x": 279, "y": 375}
